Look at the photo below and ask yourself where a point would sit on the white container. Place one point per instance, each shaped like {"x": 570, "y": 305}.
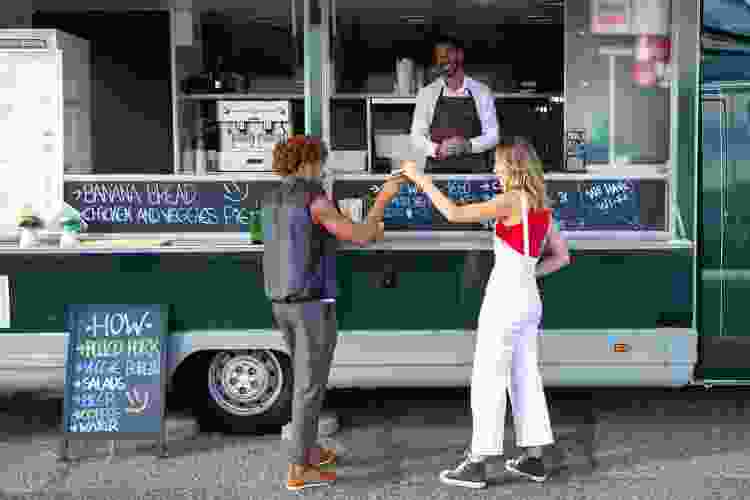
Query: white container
{"x": 29, "y": 238}
{"x": 69, "y": 240}
{"x": 187, "y": 166}
{"x": 404, "y": 76}
{"x": 199, "y": 166}
{"x": 651, "y": 17}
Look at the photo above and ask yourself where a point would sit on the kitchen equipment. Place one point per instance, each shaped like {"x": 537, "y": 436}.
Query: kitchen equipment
{"x": 573, "y": 139}
{"x": 391, "y": 144}
{"x": 45, "y": 112}
{"x": 248, "y": 130}
{"x": 611, "y": 17}
{"x": 347, "y": 161}
{"x": 404, "y": 76}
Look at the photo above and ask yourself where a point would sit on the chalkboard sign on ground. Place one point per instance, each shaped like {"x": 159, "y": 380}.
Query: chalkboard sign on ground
{"x": 114, "y": 371}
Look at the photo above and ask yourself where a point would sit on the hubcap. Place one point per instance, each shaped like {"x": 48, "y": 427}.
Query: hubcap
{"x": 245, "y": 383}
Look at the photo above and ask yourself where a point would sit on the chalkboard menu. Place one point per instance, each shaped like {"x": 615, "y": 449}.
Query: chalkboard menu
{"x": 412, "y": 210}
{"x": 579, "y": 205}
{"x": 114, "y": 371}
{"x": 609, "y": 204}
{"x": 143, "y": 207}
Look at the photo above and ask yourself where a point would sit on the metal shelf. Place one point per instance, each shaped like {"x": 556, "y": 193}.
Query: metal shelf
{"x": 411, "y": 99}
{"x": 616, "y": 51}
{"x": 234, "y": 96}
{"x": 375, "y": 98}
{"x": 380, "y": 99}
{"x": 349, "y": 96}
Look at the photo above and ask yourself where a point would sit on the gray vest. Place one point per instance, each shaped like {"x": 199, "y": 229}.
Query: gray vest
{"x": 299, "y": 256}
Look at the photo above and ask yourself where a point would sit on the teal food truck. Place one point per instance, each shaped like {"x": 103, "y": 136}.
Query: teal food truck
{"x": 644, "y": 303}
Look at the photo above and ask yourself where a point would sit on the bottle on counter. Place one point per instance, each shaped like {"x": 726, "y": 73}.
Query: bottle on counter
{"x": 256, "y": 224}
{"x": 71, "y": 232}
{"x": 187, "y": 166}
{"x": 29, "y": 223}
{"x": 200, "y": 156}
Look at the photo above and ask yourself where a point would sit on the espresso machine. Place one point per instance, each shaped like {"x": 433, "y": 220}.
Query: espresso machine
{"x": 248, "y": 130}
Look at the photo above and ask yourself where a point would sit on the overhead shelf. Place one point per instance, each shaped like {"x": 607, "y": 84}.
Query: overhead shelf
{"x": 235, "y": 96}
{"x": 375, "y": 98}
{"x": 392, "y": 99}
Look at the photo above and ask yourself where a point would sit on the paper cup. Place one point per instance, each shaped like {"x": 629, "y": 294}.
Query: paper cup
{"x": 353, "y": 208}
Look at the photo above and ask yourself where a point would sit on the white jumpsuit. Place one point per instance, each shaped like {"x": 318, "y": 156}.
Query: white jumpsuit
{"x": 505, "y": 357}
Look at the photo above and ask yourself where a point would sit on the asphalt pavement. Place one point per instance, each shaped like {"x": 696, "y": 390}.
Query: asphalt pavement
{"x": 611, "y": 444}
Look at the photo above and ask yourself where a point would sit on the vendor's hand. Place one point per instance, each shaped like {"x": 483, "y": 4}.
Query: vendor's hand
{"x": 409, "y": 168}
{"x": 457, "y": 146}
{"x": 410, "y": 171}
{"x": 392, "y": 186}
{"x": 442, "y": 151}
{"x": 347, "y": 212}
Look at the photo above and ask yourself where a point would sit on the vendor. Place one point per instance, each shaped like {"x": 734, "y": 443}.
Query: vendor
{"x": 455, "y": 123}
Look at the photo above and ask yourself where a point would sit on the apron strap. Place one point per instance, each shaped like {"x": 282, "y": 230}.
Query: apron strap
{"x": 525, "y": 221}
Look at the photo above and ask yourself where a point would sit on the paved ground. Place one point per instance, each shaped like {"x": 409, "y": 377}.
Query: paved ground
{"x": 612, "y": 444}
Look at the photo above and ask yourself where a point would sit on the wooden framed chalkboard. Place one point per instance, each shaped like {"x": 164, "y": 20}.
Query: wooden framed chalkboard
{"x": 115, "y": 372}
{"x": 166, "y": 207}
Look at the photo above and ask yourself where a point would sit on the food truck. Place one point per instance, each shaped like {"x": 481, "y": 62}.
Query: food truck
{"x": 161, "y": 144}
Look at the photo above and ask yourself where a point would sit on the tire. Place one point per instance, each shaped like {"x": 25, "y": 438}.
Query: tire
{"x": 256, "y": 401}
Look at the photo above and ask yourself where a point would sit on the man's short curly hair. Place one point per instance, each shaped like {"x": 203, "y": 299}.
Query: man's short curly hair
{"x": 290, "y": 156}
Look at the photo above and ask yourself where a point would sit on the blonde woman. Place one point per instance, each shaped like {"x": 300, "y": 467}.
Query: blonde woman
{"x": 505, "y": 356}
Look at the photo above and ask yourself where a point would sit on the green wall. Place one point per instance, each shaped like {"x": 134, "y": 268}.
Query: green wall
{"x": 226, "y": 292}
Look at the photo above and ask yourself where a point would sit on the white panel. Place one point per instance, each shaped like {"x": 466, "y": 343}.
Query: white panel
{"x": 4, "y": 302}
{"x": 30, "y": 164}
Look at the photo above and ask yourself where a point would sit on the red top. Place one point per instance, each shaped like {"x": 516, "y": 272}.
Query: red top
{"x": 539, "y": 222}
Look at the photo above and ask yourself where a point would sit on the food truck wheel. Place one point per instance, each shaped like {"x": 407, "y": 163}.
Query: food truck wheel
{"x": 248, "y": 390}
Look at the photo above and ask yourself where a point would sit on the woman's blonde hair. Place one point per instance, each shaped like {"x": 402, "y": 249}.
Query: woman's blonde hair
{"x": 524, "y": 170}
{"x": 290, "y": 156}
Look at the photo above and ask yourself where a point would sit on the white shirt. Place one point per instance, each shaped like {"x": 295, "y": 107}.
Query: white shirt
{"x": 424, "y": 112}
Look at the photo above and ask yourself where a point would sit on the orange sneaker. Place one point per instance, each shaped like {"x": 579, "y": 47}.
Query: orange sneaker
{"x": 307, "y": 476}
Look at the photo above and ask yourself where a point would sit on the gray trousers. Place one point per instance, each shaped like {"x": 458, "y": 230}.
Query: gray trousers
{"x": 310, "y": 332}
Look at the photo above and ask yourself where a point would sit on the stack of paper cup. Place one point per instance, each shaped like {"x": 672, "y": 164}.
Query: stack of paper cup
{"x": 354, "y": 208}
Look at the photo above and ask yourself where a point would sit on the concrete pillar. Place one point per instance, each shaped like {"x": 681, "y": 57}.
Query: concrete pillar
{"x": 16, "y": 14}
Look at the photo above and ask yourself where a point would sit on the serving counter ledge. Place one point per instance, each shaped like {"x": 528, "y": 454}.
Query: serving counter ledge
{"x": 593, "y": 172}
{"x": 421, "y": 241}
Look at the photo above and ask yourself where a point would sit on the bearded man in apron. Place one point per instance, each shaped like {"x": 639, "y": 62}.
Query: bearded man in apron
{"x": 455, "y": 122}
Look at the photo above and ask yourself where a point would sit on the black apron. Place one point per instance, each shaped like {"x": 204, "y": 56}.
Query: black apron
{"x": 457, "y": 116}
